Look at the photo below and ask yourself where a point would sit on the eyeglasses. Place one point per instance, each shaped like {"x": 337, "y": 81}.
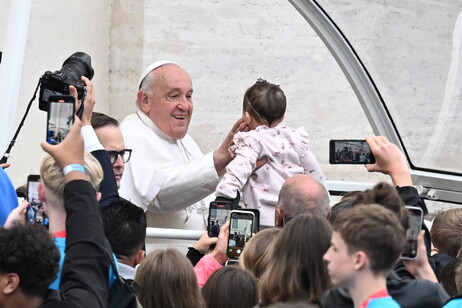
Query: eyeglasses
{"x": 125, "y": 154}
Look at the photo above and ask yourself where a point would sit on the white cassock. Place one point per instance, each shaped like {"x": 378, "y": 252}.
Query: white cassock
{"x": 171, "y": 178}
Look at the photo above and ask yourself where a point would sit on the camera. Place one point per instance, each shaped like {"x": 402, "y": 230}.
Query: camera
{"x": 57, "y": 83}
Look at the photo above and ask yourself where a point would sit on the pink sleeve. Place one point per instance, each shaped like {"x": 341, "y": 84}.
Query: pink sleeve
{"x": 205, "y": 268}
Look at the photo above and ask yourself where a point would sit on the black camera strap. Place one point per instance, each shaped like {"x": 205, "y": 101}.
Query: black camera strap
{"x": 13, "y": 141}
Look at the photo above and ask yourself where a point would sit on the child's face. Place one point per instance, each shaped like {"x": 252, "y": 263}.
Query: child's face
{"x": 340, "y": 263}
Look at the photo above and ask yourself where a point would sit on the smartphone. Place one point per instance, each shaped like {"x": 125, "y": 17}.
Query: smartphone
{"x": 415, "y": 224}
{"x": 256, "y": 223}
{"x": 61, "y": 110}
{"x": 218, "y": 215}
{"x": 230, "y": 262}
{"x": 240, "y": 232}
{"x": 35, "y": 213}
{"x": 350, "y": 152}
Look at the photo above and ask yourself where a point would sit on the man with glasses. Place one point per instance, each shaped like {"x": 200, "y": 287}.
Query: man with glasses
{"x": 108, "y": 132}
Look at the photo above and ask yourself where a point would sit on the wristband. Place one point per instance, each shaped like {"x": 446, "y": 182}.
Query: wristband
{"x": 73, "y": 167}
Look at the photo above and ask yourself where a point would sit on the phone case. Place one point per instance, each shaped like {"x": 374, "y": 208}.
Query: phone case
{"x": 240, "y": 231}
{"x": 415, "y": 225}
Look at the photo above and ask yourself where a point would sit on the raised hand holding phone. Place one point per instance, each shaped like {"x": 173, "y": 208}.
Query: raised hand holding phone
{"x": 69, "y": 152}
{"x": 219, "y": 253}
{"x": 419, "y": 267}
{"x": 389, "y": 160}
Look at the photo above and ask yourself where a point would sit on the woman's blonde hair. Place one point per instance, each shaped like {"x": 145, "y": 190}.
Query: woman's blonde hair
{"x": 167, "y": 279}
{"x": 255, "y": 256}
{"x": 53, "y": 177}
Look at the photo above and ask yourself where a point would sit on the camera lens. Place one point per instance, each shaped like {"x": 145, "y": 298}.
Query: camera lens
{"x": 76, "y": 66}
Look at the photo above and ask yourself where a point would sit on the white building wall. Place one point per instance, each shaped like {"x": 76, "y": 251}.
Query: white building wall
{"x": 224, "y": 45}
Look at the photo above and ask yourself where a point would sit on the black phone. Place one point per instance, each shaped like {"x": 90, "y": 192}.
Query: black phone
{"x": 415, "y": 217}
{"x": 218, "y": 215}
{"x": 350, "y": 151}
{"x": 61, "y": 110}
{"x": 34, "y": 213}
{"x": 240, "y": 232}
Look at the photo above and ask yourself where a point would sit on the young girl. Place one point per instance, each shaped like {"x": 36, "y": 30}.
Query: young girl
{"x": 285, "y": 149}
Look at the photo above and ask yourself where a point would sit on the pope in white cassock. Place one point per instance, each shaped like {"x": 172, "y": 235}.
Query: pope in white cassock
{"x": 167, "y": 173}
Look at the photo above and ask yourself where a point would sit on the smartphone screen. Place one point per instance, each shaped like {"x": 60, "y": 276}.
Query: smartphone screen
{"x": 35, "y": 213}
{"x": 415, "y": 224}
{"x": 256, "y": 222}
{"x": 350, "y": 152}
{"x": 60, "y": 117}
{"x": 240, "y": 231}
{"x": 218, "y": 215}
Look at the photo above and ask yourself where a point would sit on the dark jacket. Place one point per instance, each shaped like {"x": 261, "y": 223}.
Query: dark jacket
{"x": 108, "y": 186}
{"x": 84, "y": 281}
{"x": 417, "y": 293}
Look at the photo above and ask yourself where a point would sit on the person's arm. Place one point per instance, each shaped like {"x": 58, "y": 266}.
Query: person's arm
{"x": 420, "y": 267}
{"x": 4, "y": 166}
{"x": 389, "y": 160}
{"x": 108, "y": 186}
{"x": 84, "y": 278}
{"x": 215, "y": 260}
{"x": 9, "y": 199}
{"x": 200, "y": 248}
{"x": 240, "y": 168}
{"x": 221, "y": 156}
{"x": 18, "y": 215}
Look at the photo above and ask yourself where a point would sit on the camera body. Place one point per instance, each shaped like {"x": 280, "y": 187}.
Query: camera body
{"x": 58, "y": 82}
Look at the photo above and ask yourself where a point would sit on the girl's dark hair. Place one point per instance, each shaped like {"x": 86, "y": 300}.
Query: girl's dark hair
{"x": 265, "y": 101}
{"x": 231, "y": 287}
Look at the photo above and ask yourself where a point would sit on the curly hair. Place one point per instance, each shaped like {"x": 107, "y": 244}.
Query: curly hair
{"x": 28, "y": 251}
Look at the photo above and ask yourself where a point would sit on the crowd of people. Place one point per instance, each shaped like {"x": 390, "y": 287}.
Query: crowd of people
{"x": 105, "y": 183}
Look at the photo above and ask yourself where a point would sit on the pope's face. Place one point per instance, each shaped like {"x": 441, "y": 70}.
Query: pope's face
{"x": 169, "y": 105}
